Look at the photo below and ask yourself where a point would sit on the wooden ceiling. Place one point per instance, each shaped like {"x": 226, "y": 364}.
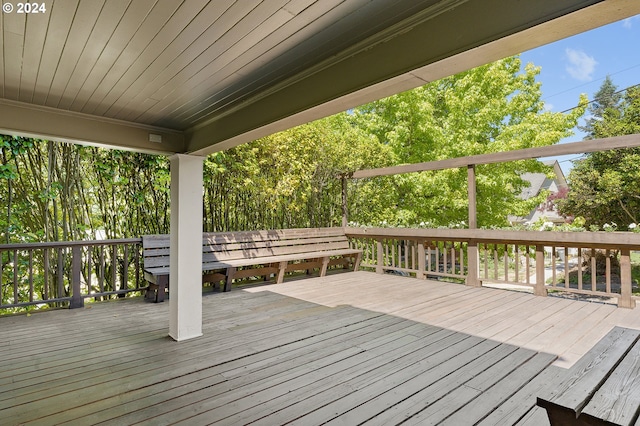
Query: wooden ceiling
{"x": 205, "y": 75}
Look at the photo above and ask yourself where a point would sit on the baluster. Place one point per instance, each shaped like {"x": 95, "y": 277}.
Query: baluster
{"x": 408, "y": 255}
{"x": 30, "y": 275}
{"x": 137, "y": 260}
{"x": 579, "y": 268}
{"x": 553, "y": 266}
{"x": 114, "y": 267}
{"x": 495, "y": 262}
{"x": 386, "y": 253}
{"x": 89, "y": 269}
{"x": 453, "y": 258}
{"x": 125, "y": 266}
{"x": 486, "y": 262}
{"x": 516, "y": 261}
{"x": 526, "y": 265}
{"x": 15, "y": 276}
{"x": 594, "y": 271}
{"x": 102, "y": 270}
{"x": 445, "y": 260}
{"x": 506, "y": 263}
{"x": 413, "y": 255}
{"x": 60, "y": 271}
{"x": 608, "y": 271}
{"x": 46, "y": 274}
{"x": 379, "y": 269}
{"x": 566, "y": 267}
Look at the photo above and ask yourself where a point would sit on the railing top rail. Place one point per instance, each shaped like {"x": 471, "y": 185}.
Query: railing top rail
{"x": 613, "y": 240}
{"x": 54, "y": 244}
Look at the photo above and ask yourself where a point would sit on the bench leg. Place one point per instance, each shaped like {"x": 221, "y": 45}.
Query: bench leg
{"x": 162, "y": 285}
{"x": 281, "y": 269}
{"x": 325, "y": 264}
{"x": 356, "y": 262}
{"x": 150, "y": 294}
{"x": 230, "y": 273}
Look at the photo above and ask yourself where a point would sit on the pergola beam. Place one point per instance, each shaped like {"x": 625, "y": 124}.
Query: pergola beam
{"x": 605, "y": 144}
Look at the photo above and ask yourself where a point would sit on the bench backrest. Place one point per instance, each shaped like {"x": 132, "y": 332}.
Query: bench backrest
{"x": 223, "y": 246}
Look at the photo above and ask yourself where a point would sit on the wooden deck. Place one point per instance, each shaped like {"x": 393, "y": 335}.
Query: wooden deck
{"x": 344, "y": 349}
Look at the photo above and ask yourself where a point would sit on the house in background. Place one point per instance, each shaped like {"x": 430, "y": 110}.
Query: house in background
{"x": 537, "y": 183}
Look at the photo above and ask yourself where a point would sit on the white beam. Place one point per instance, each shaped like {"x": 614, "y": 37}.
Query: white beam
{"x": 472, "y": 34}
{"x": 185, "y": 275}
{"x": 21, "y": 119}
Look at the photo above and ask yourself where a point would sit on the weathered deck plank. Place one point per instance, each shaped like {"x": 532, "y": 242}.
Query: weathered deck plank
{"x": 344, "y": 349}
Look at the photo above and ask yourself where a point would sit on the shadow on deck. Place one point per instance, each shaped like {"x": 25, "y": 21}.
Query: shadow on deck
{"x": 344, "y": 349}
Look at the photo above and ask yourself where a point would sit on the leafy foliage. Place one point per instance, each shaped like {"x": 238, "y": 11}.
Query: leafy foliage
{"x": 604, "y": 185}
{"x": 606, "y": 98}
{"x": 292, "y": 179}
{"x": 493, "y": 108}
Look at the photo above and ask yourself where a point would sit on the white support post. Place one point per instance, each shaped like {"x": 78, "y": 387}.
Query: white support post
{"x": 185, "y": 275}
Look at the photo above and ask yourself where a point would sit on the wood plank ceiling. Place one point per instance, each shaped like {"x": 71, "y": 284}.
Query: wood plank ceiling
{"x": 206, "y": 75}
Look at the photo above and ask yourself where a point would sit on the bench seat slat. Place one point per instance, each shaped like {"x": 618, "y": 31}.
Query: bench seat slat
{"x": 236, "y": 263}
{"x": 271, "y": 235}
{"x": 567, "y": 400}
{"x": 215, "y": 247}
{"x": 224, "y": 256}
{"x": 618, "y": 399}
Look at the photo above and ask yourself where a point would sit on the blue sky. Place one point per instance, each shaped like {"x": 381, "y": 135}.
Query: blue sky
{"x": 579, "y": 64}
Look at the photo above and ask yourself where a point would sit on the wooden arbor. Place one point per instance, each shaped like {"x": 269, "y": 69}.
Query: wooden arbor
{"x": 470, "y": 162}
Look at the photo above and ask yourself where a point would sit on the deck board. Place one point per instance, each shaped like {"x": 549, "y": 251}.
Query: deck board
{"x": 345, "y": 349}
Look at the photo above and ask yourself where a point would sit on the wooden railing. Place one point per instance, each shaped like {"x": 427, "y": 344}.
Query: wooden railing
{"x": 589, "y": 263}
{"x": 66, "y": 273}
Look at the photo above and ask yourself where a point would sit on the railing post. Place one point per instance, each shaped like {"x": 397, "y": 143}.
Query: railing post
{"x": 421, "y": 261}
{"x": 77, "y": 301}
{"x": 626, "y": 299}
{"x": 540, "y": 289}
{"x": 380, "y": 258}
{"x": 473, "y": 265}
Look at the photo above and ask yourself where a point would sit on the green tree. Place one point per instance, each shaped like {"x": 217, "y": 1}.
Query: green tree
{"x": 604, "y": 185}
{"x": 292, "y": 178}
{"x": 493, "y": 108}
{"x": 605, "y": 98}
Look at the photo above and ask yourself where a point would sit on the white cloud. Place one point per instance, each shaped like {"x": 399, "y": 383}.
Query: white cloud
{"x": 581, "y": 66}
{"x": 548, "y": 106}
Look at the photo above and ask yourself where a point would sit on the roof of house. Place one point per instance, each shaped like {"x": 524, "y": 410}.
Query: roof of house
{"x": 540, "y": 181}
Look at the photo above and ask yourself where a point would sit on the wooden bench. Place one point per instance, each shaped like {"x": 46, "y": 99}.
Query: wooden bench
{"x": 266, "y": 252}
{"x": 603, "y": 387}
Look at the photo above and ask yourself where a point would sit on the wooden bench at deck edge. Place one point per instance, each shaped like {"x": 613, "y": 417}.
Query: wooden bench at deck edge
{"x": 602, "y": 387}
{"x": 273, "y": 250}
